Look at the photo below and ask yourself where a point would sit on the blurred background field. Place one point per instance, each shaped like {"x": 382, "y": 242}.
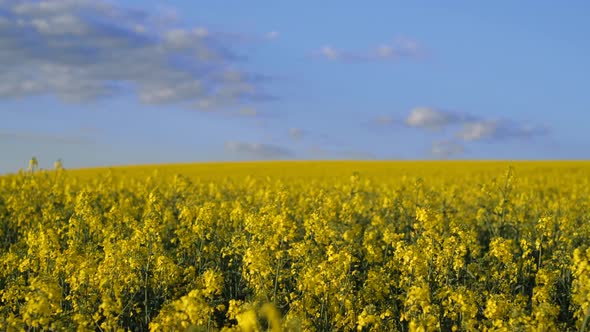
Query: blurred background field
{"x": 337, "y": 169}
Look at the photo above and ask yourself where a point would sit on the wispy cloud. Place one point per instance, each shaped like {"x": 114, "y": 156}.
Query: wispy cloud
{"x": 445, "y": 149}
{"x": 256, "y": 150}
{"x": 400, "y": 48}
{"x": 248, "y": 111}
{"x": 83, "y": 50}
{"x": 497, "y": 130}
{"x": 272, "y": 35}
{"x": 475, "y": 131}
{"x": 434, "y": 119}
{"x": 384, "y": 120}
{"x": 296, "y": 133}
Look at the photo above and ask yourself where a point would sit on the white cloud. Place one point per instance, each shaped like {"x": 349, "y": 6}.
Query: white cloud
{"x": 59, "y": 25}
{"x": 400, "y": 48}
{"x": 329, "y": 52}
{"x": 467, "y": 128}
{"x": 430, "y": 118}
{"x": 81, "y": 50}
{"x": 475, "y": 131}
{"x": 162, "y": 94}
{"x": 256, "y": 150}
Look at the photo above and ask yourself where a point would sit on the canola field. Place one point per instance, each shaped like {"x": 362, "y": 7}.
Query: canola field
{"x": 298, "y": 246}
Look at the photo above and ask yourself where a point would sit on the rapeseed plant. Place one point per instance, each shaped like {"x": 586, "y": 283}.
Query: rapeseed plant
{"x": 297, "y": 247}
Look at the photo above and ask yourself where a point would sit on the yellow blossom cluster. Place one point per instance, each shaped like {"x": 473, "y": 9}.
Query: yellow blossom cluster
{"x": 324, "y": 246}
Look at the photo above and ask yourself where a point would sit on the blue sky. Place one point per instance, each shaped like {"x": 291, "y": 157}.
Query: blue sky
{"x": 111, "y": 83}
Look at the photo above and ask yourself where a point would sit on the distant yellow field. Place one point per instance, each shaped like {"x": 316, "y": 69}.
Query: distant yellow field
{"x": 298, "y": 246}
{"x": 310, "y": 169}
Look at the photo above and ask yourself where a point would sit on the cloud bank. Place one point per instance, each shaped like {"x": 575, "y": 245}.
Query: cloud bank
{"x": 465, "y": 128}
{"x": 472, "y": 128}
{"x": 84, "y": 50}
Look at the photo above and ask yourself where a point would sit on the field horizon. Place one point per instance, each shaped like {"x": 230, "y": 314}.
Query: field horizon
{"x": 316, "y": 161}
